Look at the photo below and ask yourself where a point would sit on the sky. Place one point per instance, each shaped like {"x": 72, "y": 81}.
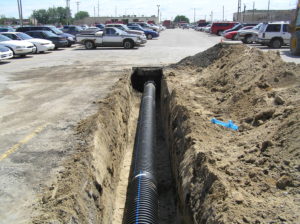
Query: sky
{"x": 169, "y": 8}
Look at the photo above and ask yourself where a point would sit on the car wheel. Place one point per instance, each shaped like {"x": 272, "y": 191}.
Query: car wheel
{"x": 276, "y": 43}
{"x": 234, "y": 37}
{"x": 247, "y": 40}
{"x": 128, "y": 44}
{"x": 89, "y": 44}
{"x": 69, "y": 45}
{"x": 149, "y": 37}
{"x": 219, "y": 33}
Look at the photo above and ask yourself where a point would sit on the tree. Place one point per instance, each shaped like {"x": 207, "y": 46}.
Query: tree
{"x": 41, "y": 16}
{"x": 52, "y": 15}
{"x": 181, "y": 18}
{"x": 81, "y": 15}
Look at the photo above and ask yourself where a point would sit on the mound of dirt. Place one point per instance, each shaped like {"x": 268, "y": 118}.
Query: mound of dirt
{"x": 225, "y": 176}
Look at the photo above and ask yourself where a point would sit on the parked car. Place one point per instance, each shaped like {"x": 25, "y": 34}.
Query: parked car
{"x": 238, "y": 26}
{"x": 5, "y": 53}
{"x": 207, "y": 28}
{"x": 71, "y": 29}
{"x": 249, "y": 36}
{"x": 7, "y": 29}
{"x": 149, "y": 33}
{"x": 127, "y": 30}
{"x": 109, "y": 37}
{"x": 70, "y": 38}
{"x": 40, "y": 44}
{"x": 145, "y": 26}
{"x": 58, "y": 41}
{"x": 233, "y": 35}
{"x": 219, "y": 27}
{"x": 274, "y": 34}
{"x": 100, "y": 26}
{"x": 20, "y": 48}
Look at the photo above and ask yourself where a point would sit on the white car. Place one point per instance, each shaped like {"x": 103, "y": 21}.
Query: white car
{"x": 5, "y": 53}
{"x": 18, "y": 47}
{"x": 41, "y": 45}
{"x": 274, "y": 34}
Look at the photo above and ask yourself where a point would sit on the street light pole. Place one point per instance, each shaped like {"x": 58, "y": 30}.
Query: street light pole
{"x": 158, "y": 12}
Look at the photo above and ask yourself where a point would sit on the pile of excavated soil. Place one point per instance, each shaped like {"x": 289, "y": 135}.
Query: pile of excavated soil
{"x": 223, "y": 176}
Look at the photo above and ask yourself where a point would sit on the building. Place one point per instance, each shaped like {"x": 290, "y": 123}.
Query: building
{"x": 113, "y": 19}
{"x": 258, "y": 16}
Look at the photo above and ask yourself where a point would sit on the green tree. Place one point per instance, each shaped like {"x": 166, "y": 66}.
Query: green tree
{"x": 41, "y": 16}
{"x": 2, "y": 19}
{"x": 81, "y": 15}
{"x": 53, "y": 15}
{"x": 181, "y": 18}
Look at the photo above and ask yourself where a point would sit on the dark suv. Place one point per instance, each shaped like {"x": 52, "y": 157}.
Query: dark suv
{"x": 58, "y": 41}
{"x": 70, "y": 38}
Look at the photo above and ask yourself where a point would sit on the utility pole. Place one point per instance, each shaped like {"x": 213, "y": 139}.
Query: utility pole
{"x": 77, "y": 3}
{"x": 194, "y": 15}
{"x": 158, "y": 12}
{"x": 68, "y": 10}
{"x": 253, "y": 12}
{"x": 20, "y": 11}
{"x": 269, "y": 10}
{"x": 239, "y": 11}
{"x": 98, "y": 9}
{"x": 244, "y": 13}
{"x": 211, "y": 16}
{"x": 223, "y": 12}
{"x": 116, "y": 11}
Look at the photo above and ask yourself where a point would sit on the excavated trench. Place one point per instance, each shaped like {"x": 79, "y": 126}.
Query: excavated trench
{"x": 93, "y": 187}
{"x": 204, "y": 173}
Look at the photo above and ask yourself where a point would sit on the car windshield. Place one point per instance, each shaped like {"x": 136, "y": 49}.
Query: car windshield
{"x": 49, "y": 34}
{"x": 4, "y": 38}
{"x": 55, "y": 30}
{"x": 257, "y": 26}
{"x": 24, "y": 36}
{"x": 126, "y": 27}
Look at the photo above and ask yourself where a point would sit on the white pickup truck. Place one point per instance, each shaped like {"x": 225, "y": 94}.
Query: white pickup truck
{"x": 109, "y": 37}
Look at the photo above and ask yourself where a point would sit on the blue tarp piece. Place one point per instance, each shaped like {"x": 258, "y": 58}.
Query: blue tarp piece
{"x": 230, "y": 124}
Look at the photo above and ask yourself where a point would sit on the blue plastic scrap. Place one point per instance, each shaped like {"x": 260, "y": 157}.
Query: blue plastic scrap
{"x": 230, "y": 124}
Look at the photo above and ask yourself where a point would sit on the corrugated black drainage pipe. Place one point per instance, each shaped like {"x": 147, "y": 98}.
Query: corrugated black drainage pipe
{"x": 142, "y": 198}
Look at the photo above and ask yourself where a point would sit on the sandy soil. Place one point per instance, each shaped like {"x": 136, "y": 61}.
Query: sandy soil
{"x": 221, "y": 176}
{"x": 226, "y": 176}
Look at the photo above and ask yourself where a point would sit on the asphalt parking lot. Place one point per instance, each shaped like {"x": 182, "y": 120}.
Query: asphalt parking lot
{"x": 44, "y": 96}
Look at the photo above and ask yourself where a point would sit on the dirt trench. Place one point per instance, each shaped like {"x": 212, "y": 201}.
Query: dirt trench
{"x": 206, "y": 173}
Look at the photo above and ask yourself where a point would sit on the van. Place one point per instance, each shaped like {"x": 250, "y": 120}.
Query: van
{"x": 219, "y": 27}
